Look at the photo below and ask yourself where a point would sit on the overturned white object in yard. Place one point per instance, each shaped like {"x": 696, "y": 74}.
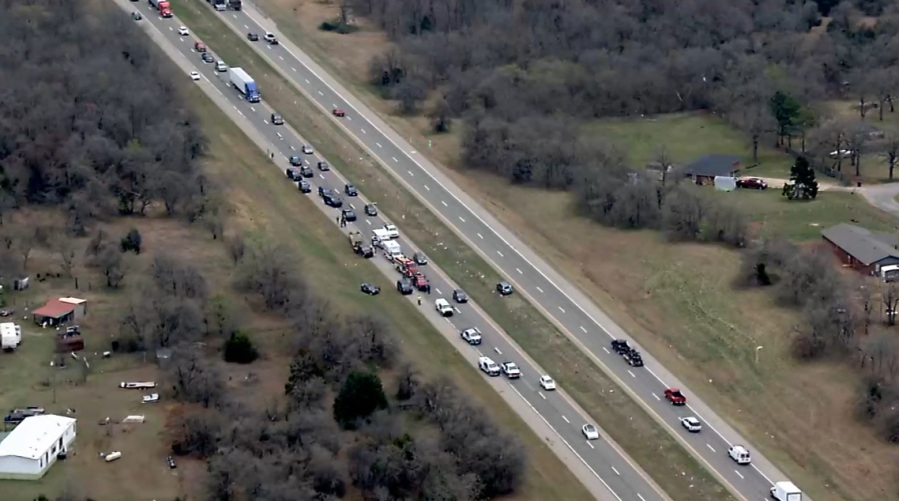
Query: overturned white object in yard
{"x": 112, "y": 456}
{"x": 137, "y": 385}
{"x": 151, "y": 398}
{"x": 134, "y": 419}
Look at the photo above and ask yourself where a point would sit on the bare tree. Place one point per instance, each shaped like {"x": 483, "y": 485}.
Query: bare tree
{"x": 193, "y": 378}
{"x": 25, "y": 243}
{"x": 65, "y": 250}
{"x": 236, "y": 248}
{"x": 891, "y": 151}
{"x": 856, "y": 142}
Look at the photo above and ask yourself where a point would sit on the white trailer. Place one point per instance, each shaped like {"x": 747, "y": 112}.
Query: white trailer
{"x": 137, "y": 385}
{"x": 10, "y": 336}
{"x": 786, "y": 491}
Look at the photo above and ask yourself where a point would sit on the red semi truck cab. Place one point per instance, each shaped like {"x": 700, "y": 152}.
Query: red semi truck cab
{"x": 165, "y": 9}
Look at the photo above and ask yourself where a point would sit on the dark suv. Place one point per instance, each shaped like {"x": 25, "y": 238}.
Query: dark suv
{"x": 294, "y": 173}
{"x": 253, "y": 37}
{"x": 404, "y": 286}
{"x": 277, "y": 119}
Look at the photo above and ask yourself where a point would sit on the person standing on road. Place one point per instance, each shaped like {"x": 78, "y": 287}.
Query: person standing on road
{"x": 419, "y": 300}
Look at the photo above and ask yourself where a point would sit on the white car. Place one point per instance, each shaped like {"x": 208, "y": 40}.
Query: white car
{"x": 194, "y": 76}
{"x": 221, "y": 67}
{"x": 150, "y": 399}
{"x": 307, "y": 149}
{"x": 739, "y": 454}
{"x": 443, "y": 306}
{"x": 590, "y": 432}
{"x": 487, "y": 365}
{"x": 471, "y": 336}
{"x": 547, "y": 383}
{"x": 691, "y": 424}
{"x": 270, "y": 38}
{"x": 511, "y": 370}
{"x": 391, "y": 230}
{"x": 182, "y": 31}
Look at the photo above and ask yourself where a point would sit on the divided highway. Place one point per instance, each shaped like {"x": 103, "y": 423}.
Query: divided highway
{"x": 611, "y": 476}
{"x": 561, "y": 302}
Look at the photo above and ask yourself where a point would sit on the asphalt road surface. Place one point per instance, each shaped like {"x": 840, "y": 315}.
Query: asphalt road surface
{"x": 560, "y": 301}
{"x": 615, "y": 476}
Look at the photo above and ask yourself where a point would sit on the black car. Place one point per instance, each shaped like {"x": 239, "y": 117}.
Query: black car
{"x": 371, "y": 210}
{"x": 420, "y": 258}
{"x": 366, "y": 251}
{"x": 304, "y": 186}
{"x": 253, "y": 37}
{"x": 306, "y": 171}
{"x": 323, "y": 166}
{"x": 322, "y": 191}
{"x": 207, "y": 58}
{"x": 371, "y": 290}
{"x": 350, "y": 190}
{"x": 332, "y": 200}
{"x": 620, "y": 346}
{"x": 404, "y": 286}
{"x": 504, "y": 288}
{"x": 460, "y": 296}
{"x": 633, "y": 358}
{"x": 171, "y": 462}
{"x": 277, "y": 119}
{"x": 293, "y": 173}
{"x": 295, "y": 161}
{"x": 349, "y": 215}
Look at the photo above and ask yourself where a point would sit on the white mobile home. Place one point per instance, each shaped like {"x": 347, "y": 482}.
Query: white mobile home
{"x": 32, "y": 447}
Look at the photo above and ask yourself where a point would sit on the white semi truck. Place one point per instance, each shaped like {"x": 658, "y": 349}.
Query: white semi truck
{"x": 245, "y": 84}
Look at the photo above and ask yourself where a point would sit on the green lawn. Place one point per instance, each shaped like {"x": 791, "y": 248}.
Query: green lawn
{"x": 687, "y": 136}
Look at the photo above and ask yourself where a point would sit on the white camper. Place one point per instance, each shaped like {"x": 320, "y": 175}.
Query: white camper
{"x": 10, "y": 336}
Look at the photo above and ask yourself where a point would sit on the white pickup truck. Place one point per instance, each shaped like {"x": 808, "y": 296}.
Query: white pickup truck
{"x": 391, "y": 230}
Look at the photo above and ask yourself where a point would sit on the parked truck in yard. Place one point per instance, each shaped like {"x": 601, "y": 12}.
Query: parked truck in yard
{"x": 163, "y": 6}
{"x": 786, "y": 491}
{"x": 245, "y": 84}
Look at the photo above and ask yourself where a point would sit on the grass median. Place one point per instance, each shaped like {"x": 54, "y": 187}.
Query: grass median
{"x": 677, "y": 472}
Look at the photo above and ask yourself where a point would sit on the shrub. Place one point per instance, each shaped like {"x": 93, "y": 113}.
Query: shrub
{"x": 360, "y": 396}
{"x": 132, "y": 241}
{"x": 239, "y": 349}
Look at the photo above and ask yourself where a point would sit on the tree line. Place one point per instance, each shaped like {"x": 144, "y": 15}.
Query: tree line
{"x": 89, "y": 119}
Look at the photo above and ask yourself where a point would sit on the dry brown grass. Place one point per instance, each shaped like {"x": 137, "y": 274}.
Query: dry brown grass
{"x": 677, "y": 300}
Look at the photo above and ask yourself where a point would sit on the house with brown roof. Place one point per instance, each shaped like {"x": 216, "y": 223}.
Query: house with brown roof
{"x": 60, "y": 311}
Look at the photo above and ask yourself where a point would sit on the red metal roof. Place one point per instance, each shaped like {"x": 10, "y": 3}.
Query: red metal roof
{"x": 54, "y": 309}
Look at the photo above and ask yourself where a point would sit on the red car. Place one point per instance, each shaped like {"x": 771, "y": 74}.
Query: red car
{"x": 675, "y": 396}
{"x": 339, "y": 112}
{"x": 753, "y": 183}
{"x": 200, "y": 47}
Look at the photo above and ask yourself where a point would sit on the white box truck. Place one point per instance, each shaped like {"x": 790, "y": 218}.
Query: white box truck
{"x": 10, "y": 336}
{"x": 392, "y": 250}
{"x": 245, "y": 84}
{"x": 786, "y": 491}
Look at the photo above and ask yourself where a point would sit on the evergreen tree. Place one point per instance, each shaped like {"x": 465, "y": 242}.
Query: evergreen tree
{"x": 802, "y": 185}
{"x": 360, "y": 396}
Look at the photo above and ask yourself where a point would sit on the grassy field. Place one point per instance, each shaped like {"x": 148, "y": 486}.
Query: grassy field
{"x": 647, "y": 443}
{"x": 677, "y": 300}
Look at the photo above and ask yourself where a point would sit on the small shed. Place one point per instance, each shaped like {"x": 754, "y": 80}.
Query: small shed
{"x": 54, "y": 313}
{"x": 706, "y": 168}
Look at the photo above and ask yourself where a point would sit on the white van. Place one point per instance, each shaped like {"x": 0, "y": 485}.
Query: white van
{"x": 739, "y": 454}
{"x": 392, "y": 250}
{"x": 487, "y": 365}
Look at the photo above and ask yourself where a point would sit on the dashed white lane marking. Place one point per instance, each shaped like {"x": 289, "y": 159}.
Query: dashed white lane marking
{"x": 497, "y": 351}
{"x": 349, "y": 118}
{"x": 519, "y": 271}
{"x": 541, "y": 395}
{"x": 710, "y": 447}
{"x": 631, "y": 373}
{"x": 369, "y": 222}
{"x": 606, "y": 350}
{"x": 279, "y": 135}
{"x": 307, "y": 80}
{"x": 539, "y": 289}
{"x": 641, "y": 497}
{"x": 426, "y": 187}
{"x": 265, "y": 121}
{"x": 245, "y": 26}
{"x": 500, "y": 254}
{"x": 657, "y": 397}
{"x": 379, "y": 145}
{"x": 234, "y": 16}
{"x": 294, "y": 69}
{"x": 566, "y": 419}
{"x": 352, "y": 207}
{"x": 293, "y": 149}
{"x": 583, "y": 329}
{"x": 394, "y": 159}
{"x": 320, "y": 93}
{"x": 321, "y": 176}
{"x": 616, "y": 471}
{"x": 739, "y": 474}
{"x": 253, "y": 109}
{"x": 480, "y": 236}
{"x": 282, "y": 57}
{"x": 444, "y": 203}
{"x": 438, "y": 290}
{"x": 561, "y": 309}
{"x": 410, "y": 173}
{"x": 363, "y": 131}
{"x": 460, "y": 219}
{"x": 591, "y": 445}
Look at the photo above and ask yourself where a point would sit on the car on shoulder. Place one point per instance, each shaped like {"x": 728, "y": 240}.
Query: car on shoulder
{"x": 633, "y": 358}
{"x": 620, "y": 346}
{"x": 404, "y": 286}
{"x": 753, "y": 183}
{"x": 307, "y": 150}
{"x": 486, "y": 364}
{"x": 691, "y": 424}
{"x": 253, "y": 37}
{"x": 370, "y": 289}
{"x": 295, "y": 160}
{"x": 590, "y": 432}
{"x": 471, "y": 336}
{"x": 195, "y": 76}
{"x": 371, "y": 210}
{"x": 136, "y": 16}
{"x": 420, "y": 258}
{"x": 306, "y": 171}
{"x": 350, "y": 190}
{"x": 270, "y": 38}
{"x": 366, "y": 251}
{"x": 739, "y": 454}
{"x": 443, "y": 307}
{"x": 339, "y": 112}
{"x": 294, "y": 173}
{"x": 504, "y": 288}
{"x": 511, "y": 370}
{"x": 277, "y": 119}
{"x": 304, "y": 186}
{"x": 460, "y": 296}
{"x": 349, "y": 215}
{"x": 199, "y": 46}
{"x": 207, "y": 58}
{"x": 674, "y": 396}
{"x": 547, "y": 383}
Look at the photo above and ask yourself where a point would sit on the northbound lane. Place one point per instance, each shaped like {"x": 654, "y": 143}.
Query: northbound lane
{"x": 617, "y": 477}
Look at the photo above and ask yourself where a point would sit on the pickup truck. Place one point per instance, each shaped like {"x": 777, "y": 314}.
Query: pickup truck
{"x": 674, "y": 396}
{"x": 391, "y": 231}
